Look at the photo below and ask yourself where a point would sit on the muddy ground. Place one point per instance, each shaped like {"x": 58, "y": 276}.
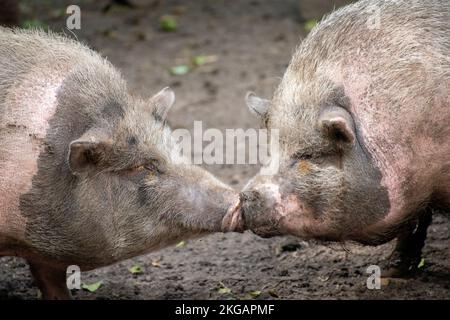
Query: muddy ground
{"x": 252, "y": 41}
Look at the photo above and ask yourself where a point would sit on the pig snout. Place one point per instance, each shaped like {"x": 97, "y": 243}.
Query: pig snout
{"x": 265, "y": 210}
{"x": 259, "y": 210}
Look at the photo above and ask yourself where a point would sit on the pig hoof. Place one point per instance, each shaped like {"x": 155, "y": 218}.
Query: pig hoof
{"x": 401, "y": 267}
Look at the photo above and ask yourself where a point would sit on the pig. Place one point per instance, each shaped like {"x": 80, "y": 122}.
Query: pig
{"x": 363, "y": 117}
{"x": 89, "y": 174}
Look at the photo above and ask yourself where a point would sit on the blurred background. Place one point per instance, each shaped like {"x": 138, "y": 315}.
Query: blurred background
{"x": 211, "y": 52}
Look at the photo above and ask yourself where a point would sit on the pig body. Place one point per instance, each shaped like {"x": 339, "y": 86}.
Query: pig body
{"x": 89, "y": 175}
{"x": 364, "y": 117}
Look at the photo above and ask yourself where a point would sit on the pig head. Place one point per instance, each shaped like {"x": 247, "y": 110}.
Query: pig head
{"x": 118, "y": 186}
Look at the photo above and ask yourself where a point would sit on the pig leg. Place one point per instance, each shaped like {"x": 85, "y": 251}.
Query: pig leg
{"x": 407, "y": 253}
{"x": 51, "y": 282}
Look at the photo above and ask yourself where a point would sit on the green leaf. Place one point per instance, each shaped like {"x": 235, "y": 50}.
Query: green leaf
{"x": 180, "y": 244}
{"x": 224, "y": 290}
{"x": 310, "y": 24}
{"x": 255, "y": 294}
{"x": 92, "y": 287}
{"x": 137, "y": 269}
{"x": 201, "y": 60}
{"x": 34, "y": 24}
{"x": 179, "y": 70}
{"x": 421, "y": 263}
{"x": 168, "y": 23}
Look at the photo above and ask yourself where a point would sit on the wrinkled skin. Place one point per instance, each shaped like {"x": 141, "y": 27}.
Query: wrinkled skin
{"x": 364, "y": 123}
{"x": 90, "y": 175}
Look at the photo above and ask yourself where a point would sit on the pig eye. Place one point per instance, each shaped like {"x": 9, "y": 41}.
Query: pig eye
{"x": 306, "y": 157}
{"x": 150, "y": 167}
{"x": 156, "y": 165}
{"x": 302, "y": 156}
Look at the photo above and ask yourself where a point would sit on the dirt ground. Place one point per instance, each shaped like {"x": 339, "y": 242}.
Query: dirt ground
{"x": 252, "y": 41}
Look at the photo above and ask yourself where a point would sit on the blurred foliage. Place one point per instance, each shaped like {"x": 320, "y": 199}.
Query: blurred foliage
{"x": 136, "y": 269}
{"x": 310, "y": 24}
{"x": 92, "y": 287}
{"x": 168, "y": 23}
{"x": 179, "y": 71}
{"x": 181, "y": 244}
{"x": 34, "y": 24}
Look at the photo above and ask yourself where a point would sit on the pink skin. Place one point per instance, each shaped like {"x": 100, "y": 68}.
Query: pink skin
{"x": 19, "y": 151}
{"x": 288, "y": 215}
{"x": 298, "y": 219}
{"x": 233, "y": 220}
{"x": 21, "y": 146}
{"x": 389, "y": 143}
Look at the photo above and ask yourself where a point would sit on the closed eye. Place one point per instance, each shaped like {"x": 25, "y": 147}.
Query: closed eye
{"x": 302, "y": 156}
{"x": 150, "y": 166}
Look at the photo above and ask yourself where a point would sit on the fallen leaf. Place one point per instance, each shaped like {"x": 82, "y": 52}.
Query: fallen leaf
{"x": 421, "y": 263}
{"x": 179, "y": 70}
{"x": 92, "y": 287}
{"x": 181, "y": 244}
{"x": 156, "y": 264}
{"x": 255, "y": 294}
{"x": 137, "y": 269}
{"x": 224, "y": 290}
{"x": 310, "y": 24}
{"x": 201, "y": 60}
{"x": 168, "y": 23}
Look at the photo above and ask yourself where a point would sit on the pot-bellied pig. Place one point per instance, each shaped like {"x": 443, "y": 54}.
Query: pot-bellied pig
{"x": 363, "y": 113}
{"x": 90, "y": 175}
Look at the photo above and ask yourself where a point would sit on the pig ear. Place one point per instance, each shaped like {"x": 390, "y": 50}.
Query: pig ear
{"x": 85, "y": 152}
{"x": 256, "y": 105}
{"x": 162, "y": 102}
{"x": 337, "y": 124}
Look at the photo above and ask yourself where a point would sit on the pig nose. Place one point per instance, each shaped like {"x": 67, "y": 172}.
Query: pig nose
{"x": 258, "y": 213}
{"x": 252, "y": 202}
{"x": 250, "y": 195}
